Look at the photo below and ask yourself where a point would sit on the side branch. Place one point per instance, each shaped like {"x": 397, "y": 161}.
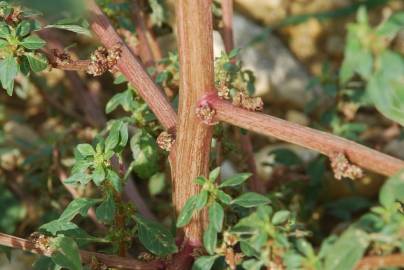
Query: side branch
{"x": 131, "y": 68}
{"x": 86, "y": 256}
{"x": 379, "y": 262}
{"x": 322, "y": 142}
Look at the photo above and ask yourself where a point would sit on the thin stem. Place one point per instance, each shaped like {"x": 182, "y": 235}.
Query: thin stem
{"x": 227, "y": 30}
{"x": 131, "y": 68}
{"x": 74, "y": 65}
{"x": 322, "y": 142}
{"x": 194, "y": 22}
{"x": 86, "y": 256}
{"x": 146, "y": 53}
{"x": 254, "y": 183}
{"x": 381, "y": 262}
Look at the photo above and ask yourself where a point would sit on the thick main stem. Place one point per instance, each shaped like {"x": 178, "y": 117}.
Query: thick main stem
{"x": 194, "y": 20}
{"x": 322, "y": 142}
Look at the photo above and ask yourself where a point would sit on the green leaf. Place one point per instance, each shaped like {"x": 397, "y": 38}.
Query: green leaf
{"x": 186, "y": 212}
{"x": 347, "y": 250}
{"x": 145, "y": 154}
{"x": 33, "y": 43}
{"x": 124, "y": 135}
{"x": 4, "y": 31}
{"x": 235, "y": 180}
{"x": 124, "y": 99}
{"x": 9, "y": 69}
{"x": 305, "y": 248}
{"x": 201, "y": 199}
{"x": 106, "y": 211}
{"x": 86, "y": 149}
{"x": 286, "y": 157}
{"x": 216, "y": 215}
{"x": 204, "y": 262}
{"x": 253, "y": 264}
{"x": 385, "y": 87}
{"x": 233, "y": 53}
{"x": 37, "y": 61}
{"x": 57, "y": 225}
{"x": 280, "y": 217}
{"x": 45, "y": 263}
{"x": 113, "y": 137}
{"x": 357, "y": 58}
{"x": 392, "y": 25}
{"x": 213, "y": 175}
{"x": 12, "y": 211}
{"x": 24, "y": 65}
{"x": 98, "y": 175}
{"x": 72, "y": 28}
{"x": 115, "y": 180}
{"x": 155, "y": 237}
{"x": 200, "y": 180}
{"x": 157, "y": 183}
{"x": 223, "y": 197}
{"x": 158, "y": 14}
{"x": 250, "y": 199}
{"x": 77, "y": 206}
{"x": 23, "y": 28}
{"x": 392, "y": 191}
{"x": 210, "y": 239}
{"x": 67, "y": 253}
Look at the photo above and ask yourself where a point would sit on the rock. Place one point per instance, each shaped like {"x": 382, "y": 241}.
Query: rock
{"x": 278, "y": 75}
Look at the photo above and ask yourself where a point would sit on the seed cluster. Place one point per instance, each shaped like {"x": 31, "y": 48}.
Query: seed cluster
{"x": 227, "y": 249}
{"x": 103, "y": 60}
{"x": 206, "y": 114}
{"x": 62, "y": 58}
{"x": 342, "y": 168}
{"x": 41, "y": 242}
{"x": 166, "y": 141}
{"x": 14, "y": 17}
{"x": 247, "y": 102}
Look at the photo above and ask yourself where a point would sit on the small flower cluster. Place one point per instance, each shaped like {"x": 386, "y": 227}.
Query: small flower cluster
{"x": 103, "y": 60}
{"x": 166, "y": 141}
{"x": 342, "y": 168}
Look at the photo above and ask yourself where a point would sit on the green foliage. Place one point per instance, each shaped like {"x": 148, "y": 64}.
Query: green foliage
{"x": 266, "y": 234}
{"x": 11, "y": 210}
{"x": 144, "y": 150}
{"x": 19, "y": 46}
{"x": 368, "y": 55}
{"x": 155, "y": 237}
{"x": 298, "y": 224}
{"x": 67, "y": 253}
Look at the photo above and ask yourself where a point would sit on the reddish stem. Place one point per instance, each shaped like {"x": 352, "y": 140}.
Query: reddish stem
{"x": 254, "y": 183}
{"x": 131, "y": 68}
{"x": 195, "y": 39}
{"x": 381, "y": 262}
{"x": 322, "y": 142}
{"x": 86, "y": 256}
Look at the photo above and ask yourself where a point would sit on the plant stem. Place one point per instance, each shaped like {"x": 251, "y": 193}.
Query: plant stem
{"x": 254, "y": 183}
{"x": 322, "y": 142}
{"x": 381, "y": 262}
{"x": 131, "y": 68}
{"x": 227, "y": 30}
{"x": 194, "y": 22}
{"x": 146, "y": 53}
{"x": 86, "y": 256}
